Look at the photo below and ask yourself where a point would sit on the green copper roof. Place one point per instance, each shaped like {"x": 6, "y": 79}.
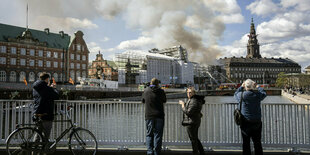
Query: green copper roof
{"x": 112, "y": 64}
{"x": 51, "y": 40}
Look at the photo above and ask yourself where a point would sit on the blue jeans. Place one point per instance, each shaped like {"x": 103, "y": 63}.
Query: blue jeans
{"x": 154, "y": 135}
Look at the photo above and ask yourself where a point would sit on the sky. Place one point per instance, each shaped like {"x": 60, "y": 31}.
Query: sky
{"x": 208, "y": 29}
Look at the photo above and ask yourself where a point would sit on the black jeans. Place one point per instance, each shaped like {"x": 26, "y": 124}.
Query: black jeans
{"x": 192, "y": 131}
{"x": 251, "y": 130}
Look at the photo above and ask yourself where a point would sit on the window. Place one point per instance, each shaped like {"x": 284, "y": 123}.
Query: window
{"x": 48, "y": 64}
{"x": 83, "y": 74}
{"x": 13, "y": 50}
{"x": 83, "y": 66}
{"x": 13, "y": 61}
{"x": 23, "y": 51}
{"x": 61, "y": 55}
{"x": 83, "y": 57}
{"x": 55, "y": 64}
{"x": 40, "y": 53}
{"x": 78, "y": 47}
{"x": 55, "y": 76}
{"x": 32, "y": 53}
{"x": 22, "y": 62}
{"x": 77, "y": 66}
{"x": 55, "y": 55}
{"x": 22, "y": 76}
{"x": 72, "y": 75}
{"x": 60, "y": 77}
{"x": 31, "y": 77}
{"x": 82, "y": 48}
{"x": 31, "y": 62}
{"x": 3, "y": 49}
{"x": 78, "y": 75}
{"x": 72, "y": 56}
{"x": 72, "y": 65}
{"x": 61, "y": 65}
{"x": 3, "y": 60}
{"x": 12, "y": 76}
{"x": 48, "y": 54}
{"x": 78, "y": 57}
{"x": 2, "y": 76}
{"x": 40, "y": 63}
{"x": 73, "y": 47}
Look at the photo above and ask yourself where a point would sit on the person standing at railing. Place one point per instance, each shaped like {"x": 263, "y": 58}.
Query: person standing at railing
{"x": 192, "y": 118}
{"x": 44, "y": 94}
{"x": 251, "y": 126}
{"x": 154, "y": 99}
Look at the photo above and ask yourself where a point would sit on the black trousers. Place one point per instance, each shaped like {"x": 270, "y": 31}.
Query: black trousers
{"x": 192, "y": 131}
{"x": 251, "y": 130}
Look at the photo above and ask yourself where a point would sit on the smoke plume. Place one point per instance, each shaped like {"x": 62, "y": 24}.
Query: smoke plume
{"x": 196, "y": 25}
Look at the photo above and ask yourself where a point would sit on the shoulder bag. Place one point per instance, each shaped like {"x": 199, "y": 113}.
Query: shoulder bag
{"x": 238, "y": 117}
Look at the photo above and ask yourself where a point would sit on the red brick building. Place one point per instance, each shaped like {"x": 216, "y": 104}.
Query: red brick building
{"x": 103, "y": 69}
{"x": 25, "y": 53}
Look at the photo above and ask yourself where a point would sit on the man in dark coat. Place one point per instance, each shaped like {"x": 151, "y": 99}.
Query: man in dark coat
{"x": 192, "y": 118}
{"x": 251, "y": 126}
{"x": 44, "y": 95}
{"x": 154, "y": 99}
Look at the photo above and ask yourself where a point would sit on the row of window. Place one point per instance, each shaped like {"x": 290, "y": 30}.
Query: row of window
{"x": 78, "y": 47}
{"x": 265, "y": 69}
{"x": 31, "y": 76}
{"x": 22, "y": 62}
{"x": 78, "y": 57}
{"x": 49, "y": 54}
{"x": 245, "y": 75}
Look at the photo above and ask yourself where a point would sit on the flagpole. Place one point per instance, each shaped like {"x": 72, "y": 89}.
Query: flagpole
{"x": 27, "y": 17}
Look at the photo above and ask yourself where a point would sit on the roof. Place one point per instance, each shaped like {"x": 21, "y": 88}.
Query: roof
{"x": 52, "y": 40}
{"x": 242, "y": 60}
{"x": 142, "y": 55}
{"x": 111, "y": 64}
{"x": 308, "y": 67}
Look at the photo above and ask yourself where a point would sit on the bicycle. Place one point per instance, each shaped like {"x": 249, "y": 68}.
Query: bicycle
{"x": 27, "y": 139}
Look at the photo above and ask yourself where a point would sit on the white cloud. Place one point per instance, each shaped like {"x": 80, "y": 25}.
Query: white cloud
{"x": 300, "y": 5}
{"x": 263, "y": 7}
{"x": 67, "y": 24}
{"x": 142, "y": 43}
{"x": 105, "y": 39}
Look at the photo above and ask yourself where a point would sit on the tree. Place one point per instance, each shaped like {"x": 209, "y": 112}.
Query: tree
{"x": 281, "y": 80}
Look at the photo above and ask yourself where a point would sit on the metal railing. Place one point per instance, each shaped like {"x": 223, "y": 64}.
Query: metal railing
{"x": 123, "y": 124}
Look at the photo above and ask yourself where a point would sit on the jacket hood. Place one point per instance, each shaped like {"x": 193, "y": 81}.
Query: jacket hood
{"x": 38, "y": 84}
{"x": 154, "y": 88}
{"x": 200, "y": 98}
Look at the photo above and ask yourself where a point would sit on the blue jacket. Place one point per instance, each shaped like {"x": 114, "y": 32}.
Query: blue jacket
{"x": 251, "y": 102}
{"x": 44, "y": 97}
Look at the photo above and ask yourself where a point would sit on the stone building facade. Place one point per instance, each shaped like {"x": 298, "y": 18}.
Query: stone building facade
{"x": 103, "y": 69}
{"x": 253, "y": 66}
{"x": 307, "y": 70}
{"x": 25, "y": 53}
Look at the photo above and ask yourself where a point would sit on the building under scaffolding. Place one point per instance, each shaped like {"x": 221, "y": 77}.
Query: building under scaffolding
{"x": 169, "y": 66}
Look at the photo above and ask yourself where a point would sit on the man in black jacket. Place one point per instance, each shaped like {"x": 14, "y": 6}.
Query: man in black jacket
{"x": 154, "y": 99}
{"x": 192, "y": 118}
{"x": 44, "y": 95}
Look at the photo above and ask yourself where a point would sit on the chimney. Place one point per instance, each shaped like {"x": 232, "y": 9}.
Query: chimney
{"x": 61, "y": 33}
{"x": 47, "y": 30}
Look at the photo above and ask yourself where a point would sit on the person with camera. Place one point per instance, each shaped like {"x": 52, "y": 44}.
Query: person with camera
{"x": 44, "y": 94}
{"x": 192, "y": 118}
{"x": 251, "y": 124}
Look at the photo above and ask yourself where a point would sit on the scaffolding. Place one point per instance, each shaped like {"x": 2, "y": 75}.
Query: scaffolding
{"x": 137, "y": 67}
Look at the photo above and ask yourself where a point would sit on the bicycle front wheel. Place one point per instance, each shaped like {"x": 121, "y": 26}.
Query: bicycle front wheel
{"x": 23, "y": 141}
{"x": 82, "y": 142}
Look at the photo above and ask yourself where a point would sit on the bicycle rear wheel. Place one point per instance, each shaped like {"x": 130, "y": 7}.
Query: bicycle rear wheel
{"x": 82, "y": 142}
{"x": 23, "y": 141}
